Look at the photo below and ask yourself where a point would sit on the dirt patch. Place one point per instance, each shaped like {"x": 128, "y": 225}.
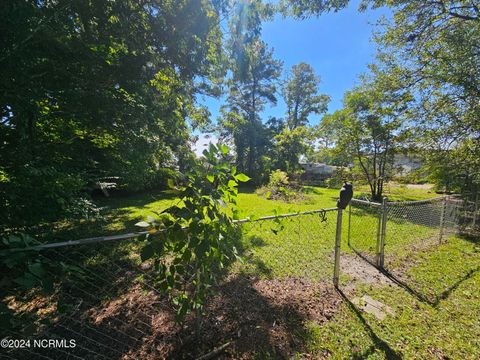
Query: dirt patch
{"x": 360, "y": 270}
{"x": 257, "y": 316}
{"x": 372, "y": 306}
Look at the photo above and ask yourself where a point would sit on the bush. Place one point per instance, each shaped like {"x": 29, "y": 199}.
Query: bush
{"x": 278, "y": 178}
{"x": 414, "y": 177}
{"x": 280, "y": 188}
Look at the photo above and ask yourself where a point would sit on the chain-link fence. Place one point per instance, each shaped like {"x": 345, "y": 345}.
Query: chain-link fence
{"x": 411, "y": 227}
{"x": 406, "y": 239}
{"x": 104, "y": 297}
{"x": 364, "y": 220}
{"x": 293, "y": 245}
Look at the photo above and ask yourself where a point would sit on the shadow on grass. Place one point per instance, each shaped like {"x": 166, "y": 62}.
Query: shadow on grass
{"x": 411, "y": 289}
{"x": 379, "y": 344}
{"x": 115, "y": 218}
{"x": 120, "y": 200}
{"x": 471, "y": 236}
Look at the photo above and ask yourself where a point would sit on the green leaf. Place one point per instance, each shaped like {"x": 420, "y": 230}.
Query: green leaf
{"x": 143, "y": 224}
{"x": 211, "y": 178}
{"x": 212, "y": 148}
{"x": 242, "y": 177}
{"x": 37, "y": 269}
{"x": 268, "y": 195}
{"x": 236, "y": 214}
{"x": 223, "y": 149}
{"x": 27, "y": 281}
{"x": 47, "y": 283}
{"x": 171, "y": 183}
{"x": 182, "y": 311}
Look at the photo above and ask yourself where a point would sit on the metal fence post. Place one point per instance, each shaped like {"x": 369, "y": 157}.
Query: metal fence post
{"x": 383, "y": 232}
{"x": 349, "y": 221}
{"x": 379, "y": 237}
{"x": 338, "y": 239}
{"x": 442, "y": 219}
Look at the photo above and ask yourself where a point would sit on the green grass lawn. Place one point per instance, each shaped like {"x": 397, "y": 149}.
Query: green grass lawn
{"x": 447, "y": 328}
{"x": 119, "y": 214}
{"x": 436, "y": 304}
{"x": 436, "y": 307}
{"x": 400, "y": 192}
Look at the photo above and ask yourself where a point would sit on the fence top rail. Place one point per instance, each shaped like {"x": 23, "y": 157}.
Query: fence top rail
{"x": 372, "y": 203}
{"x": 424, "y": 201}
{"x": 452, "y": 197}
{"x": 129, "y": 236}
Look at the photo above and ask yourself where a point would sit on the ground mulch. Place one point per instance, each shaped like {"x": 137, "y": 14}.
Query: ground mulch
{"x": 257, "y": 316}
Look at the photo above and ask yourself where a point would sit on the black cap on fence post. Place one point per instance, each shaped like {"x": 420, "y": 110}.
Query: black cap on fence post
{"x": 346, "y": 194}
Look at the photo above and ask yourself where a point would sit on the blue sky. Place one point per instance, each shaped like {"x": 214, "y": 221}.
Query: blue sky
{"x": 337, "y": 45}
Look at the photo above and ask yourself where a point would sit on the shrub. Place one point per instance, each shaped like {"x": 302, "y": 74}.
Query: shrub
{"x": 278, "y": 178}
{"x": 280, "y": 188}
{"x": 414, "y": 177}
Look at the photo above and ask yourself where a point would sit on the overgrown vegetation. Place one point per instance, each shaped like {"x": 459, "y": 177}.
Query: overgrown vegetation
{"x": 98, "y": 89}
{"x": 280, "y": 188}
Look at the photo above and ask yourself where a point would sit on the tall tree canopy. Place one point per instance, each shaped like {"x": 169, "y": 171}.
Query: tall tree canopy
{"x": 98, "y": 88}
{"x": 430, "y": 50}
{"x": 367, "y": 132}
{"x": 253, "y": 85}
{"x": 301, "y": 94}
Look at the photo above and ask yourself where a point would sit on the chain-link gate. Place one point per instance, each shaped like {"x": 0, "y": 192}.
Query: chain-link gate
{"x": 364, "y": 225}
{"x": 404, "y": 238}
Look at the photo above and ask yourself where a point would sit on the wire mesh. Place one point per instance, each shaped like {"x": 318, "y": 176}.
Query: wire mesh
{"x": 408, "y": 239}
{"x": 412, "y": 226}
{"x": 417, "y": 226}
{"x": 300, "y": 246}
{"x": 100, "y": 300}
{"x": 462, "y": 213}
{"x": 363, "y": 228}
{"x": 105, "y": 298}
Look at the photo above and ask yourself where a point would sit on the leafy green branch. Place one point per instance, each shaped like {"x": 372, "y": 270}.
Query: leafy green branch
{"x": 190, "y": 243}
